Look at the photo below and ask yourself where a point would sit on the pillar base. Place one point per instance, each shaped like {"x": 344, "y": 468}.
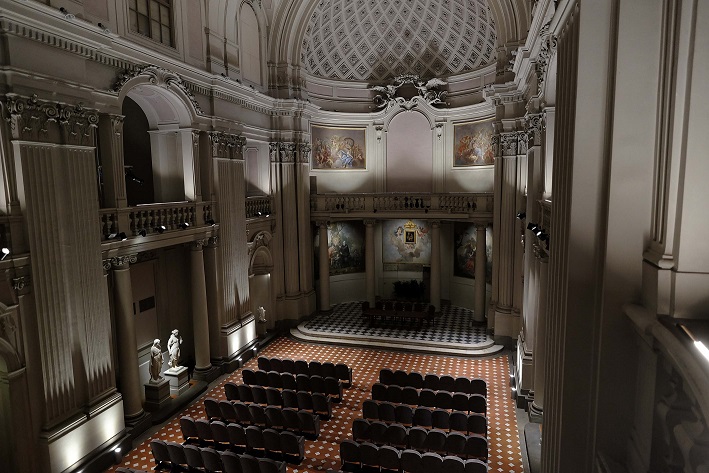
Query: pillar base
{"x": 179, "y": 380}
{"x": 536, "y": 413}
{"x": 206, "y": 374}
{"x": 157, "y": 395}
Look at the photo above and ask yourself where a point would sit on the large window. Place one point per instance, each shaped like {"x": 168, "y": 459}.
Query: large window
{"x": 152, "y": 18}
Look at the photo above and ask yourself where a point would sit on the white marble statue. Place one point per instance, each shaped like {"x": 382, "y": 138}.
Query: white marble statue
{"x": 155, "y": 361}
{"x": 173, "y": 347}
{"x": 261, "y": 315}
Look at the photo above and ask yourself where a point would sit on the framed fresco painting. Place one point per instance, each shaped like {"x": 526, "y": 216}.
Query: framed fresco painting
{"x": 472, "y": 144}
{"x": 338, "y": 148}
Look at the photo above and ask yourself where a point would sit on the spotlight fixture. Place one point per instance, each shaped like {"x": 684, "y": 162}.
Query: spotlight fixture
{"x": 104, "y": 28}
{"x": 211, "y": 222}
{"x": 539, "y": 232}
{"x": 143, "y": 232}
{"x": 160, "y": 228}
{"x": 5, "y": 252}
{"x": 131, "y": 176}
{"x": 521, "y": 215}
{"x": 532, "y": 226}
{"x": 118, "y": 236}
{"x": 544, "y": 237}
{"x": 184, "y": 225}
{"x": 67, "y": 15}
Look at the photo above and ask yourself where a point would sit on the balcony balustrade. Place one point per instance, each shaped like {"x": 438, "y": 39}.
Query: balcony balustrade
{"x": 151, "y": 217}
{"x": 258, "y": 206}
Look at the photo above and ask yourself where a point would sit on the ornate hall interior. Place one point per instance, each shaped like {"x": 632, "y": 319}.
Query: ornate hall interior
{"x": 514, "y": 183}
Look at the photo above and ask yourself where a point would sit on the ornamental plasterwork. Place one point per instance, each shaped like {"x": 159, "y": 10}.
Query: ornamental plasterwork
{"x": 426, "y": 90}
{"x": 304, "y": 152}
{"x": 508, "y": 144}
{"x": 534, "y": 123}
{"x": 227, "y": 145}
{"x": 19, "y": 284}
{"x": 286, "y": 152}
{"x": 261, "y": 239}
{"x": 198, "y": 244}
{"x": 546, "y": 52}
{"x": 33, "y": 119}
{"x": 159, "y": 76}
{"x": 119, "y": 262}
{"x": 371, "y": 40}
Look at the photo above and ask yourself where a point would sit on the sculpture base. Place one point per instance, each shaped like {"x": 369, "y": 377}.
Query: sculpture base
{"x": 178, "y": 378}
{"x": 157, "y": 394}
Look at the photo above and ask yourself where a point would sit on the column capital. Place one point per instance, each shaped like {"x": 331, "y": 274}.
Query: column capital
{"x": 197, "y": 245}
{"x": 22, "y": 284}
{"x": 322, "y": 223}
{"x": 370, "y": 221}
{"x": 435, "y": 223}
{"x": 119, "y": 262}
{"x": 213, "y": 242}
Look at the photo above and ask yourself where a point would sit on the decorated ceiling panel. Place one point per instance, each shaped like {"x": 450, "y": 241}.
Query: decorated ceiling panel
{"x": 375, "y": 40}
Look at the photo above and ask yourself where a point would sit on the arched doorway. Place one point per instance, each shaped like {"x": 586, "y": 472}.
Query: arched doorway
{"x": 260, "y": 288}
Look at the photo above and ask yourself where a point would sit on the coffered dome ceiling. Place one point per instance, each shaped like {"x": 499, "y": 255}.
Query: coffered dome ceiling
{"x": 375, "y": 40}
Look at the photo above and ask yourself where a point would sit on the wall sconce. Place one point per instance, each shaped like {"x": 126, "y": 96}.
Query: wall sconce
{"x": 184, "y": 225}
{"x": 118, "y": 236}
{"x": 160, "y": 228}
{"x": 5, "y": 253}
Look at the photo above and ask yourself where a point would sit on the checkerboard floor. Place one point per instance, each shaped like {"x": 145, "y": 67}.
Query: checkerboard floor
{"x": 452, "y": 326}
{"x": 323, "y": 453}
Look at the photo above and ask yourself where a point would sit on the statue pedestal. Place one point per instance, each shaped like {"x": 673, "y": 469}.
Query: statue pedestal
{"x": 157, "y": 394}
{"x": 178, "y": 380}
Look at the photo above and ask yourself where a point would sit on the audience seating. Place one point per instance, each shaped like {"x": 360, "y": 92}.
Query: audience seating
{"x": 429, "y": 398}
{"x": 190, "y": 457}
{"x": 471, "y": 423}
{"x": 252, "y": 439}
{"x": 325, "y": 369}
{"x": 399, "y": 311}
{"x": 317, "y": 402}
{"x": 312, "y": 383}
{"x": 417, "y": 438}
{"x": 299, "y": 421}
{"x": 364, "y": 456}
{"x": 433, "y": 382}
{"x": 121, "y": 469}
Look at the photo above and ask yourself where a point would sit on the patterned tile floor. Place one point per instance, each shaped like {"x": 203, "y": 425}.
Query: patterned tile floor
{"x": 323, "y": 453}
{"x": 452, "y": 326}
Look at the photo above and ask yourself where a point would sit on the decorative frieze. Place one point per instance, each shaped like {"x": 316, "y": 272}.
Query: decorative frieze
{"x": 120, "y": 262}
{"x": 159, "y": 76}
{"x": 427, "y": 92}
{"x": 32, "y": 119}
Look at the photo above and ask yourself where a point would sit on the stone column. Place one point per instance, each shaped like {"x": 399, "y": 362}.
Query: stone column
{"x": 126, "y": 345}
{"x": 324, "y": 267}
{"x": 436, "y": 264}
{"x": 480, "y": 263}
{"x": 370, "y": 261}
{"x": 212, "y": 282}
{"x": 110, "y": 134}
{"x": 200, "y": 316}
{"x": 537, "y": 409}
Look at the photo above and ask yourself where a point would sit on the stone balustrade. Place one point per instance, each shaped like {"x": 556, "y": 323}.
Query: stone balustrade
{"x": 258, "y": 206}
{"x": 472, "y": 204}
{"x": 151, "y": 217}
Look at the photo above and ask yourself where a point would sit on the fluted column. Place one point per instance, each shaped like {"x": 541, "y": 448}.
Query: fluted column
{"x": 110, "y": 132}
{"x": 126, "y": 345}
{"x": 213, "y": 284}
{"x": 370, "y": 261}
{"x": 540, "y": 335}
{"x": 480, "y": 263}
{"x": 305, "y": 239}
{"x": 436, "y": 264}
{"x": 200, "y": 316}
{"x": 324, "y": 267}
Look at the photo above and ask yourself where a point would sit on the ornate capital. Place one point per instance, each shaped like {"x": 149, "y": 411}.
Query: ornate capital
{"x": 21, "y": 284}
{"x": 227, "y": 145}
{"x": 522, "y": 142}
{"x": 370, "y": 222}
{"x": 322, "y": 223}
{"x": 195, "y": 138}
{"x": 197, "y": 245}
{"x": 273, "y": 151}
{"x": 261, "y": 239}
{"x": 534, "y": 125}
{"x": 508, "y": 144}
{"x": 546, "y": 52}
{"x": 379, "y": 129}
{"x": 213, "y": 241}
{"x": 121, "y": 262}
{"x": 38, "y": 120}
{"x": 117, "y": 124}
{"x": 304, "y": 150}
{"x": 286, "y": 152}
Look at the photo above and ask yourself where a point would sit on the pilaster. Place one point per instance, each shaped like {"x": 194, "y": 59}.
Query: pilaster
{"x": 370, "y": 261}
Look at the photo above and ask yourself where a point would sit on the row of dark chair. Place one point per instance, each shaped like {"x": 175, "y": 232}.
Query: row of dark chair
{"x": 190, "y": 457}
{"x": 300, "y": 421}
{"x": 418, "y": 438}
{"x": 407, "y": 415}
{"x": 442, "y": 420}
{"x": 316, "y": 402}
{"x": 251, "y": 439}
{"x": 122, "y": 469}
{"x": 434, "y": 382}
{"x": 366, "y": 456}
{"x": 325, "y": 369}
{"x": 301, "y": 382}
{"x": 429, "y": 398}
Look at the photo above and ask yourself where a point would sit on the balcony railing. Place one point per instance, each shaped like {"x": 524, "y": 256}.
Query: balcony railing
{"x": 393, "y": 202}
{"x": 258, "y": 206}
{"x": 151, "y": 217}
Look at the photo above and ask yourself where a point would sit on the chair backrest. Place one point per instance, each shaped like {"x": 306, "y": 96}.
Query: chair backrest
{"x": 416, "y": 380}
{"x": 274, "y": 397}
{"x": 349, "y": 452}
{"x": 315, "y": 368}
{"x": 301, "y": 367}
{"x": 289, "y": 382}
{"x": 455, "y": 443}
{"x": 476, "y": 446}
{"x": 254, "y": 437}
{"x": 377, "y": 432}
{"x": 387, "y": 412}
{"x": 290, "y": 419}
{"x": 360, "y": 430}
{"x": 245, "y": 394}
{"x": 460, "y": 401}
{"x": 261, "y": 378}
{"x": 317, "y": 384}
{"x": 410, "y": 396}
{"x": 453, "y": 464}
{"x": 444, "y": 400}
{"x": 333, "y": 387}
{"x": 305, "y": 400}
{"x": 423, "y": 417}
{"x": 411, "y": 461}
{"x": 478, "y": 386}
{"x": 219, "y": 432}
{"x": 231, "y": 462}
{"x": 309, "y": 423}
{"x": 292, "y": 444}
{"x": 328, "y": 370}
{"x": 386, "y": 376}
{"x": 177, "y": 454}
{"x": 288, "y": 366}
{"x": 458, "y": 421}
{"x": 211, "y": 460}
{"x": 243, "y": 412}
{"x": 369, "y": 454}
{"x": 159, "y": 449}
{"x": 272, "y": 440}
{"x": 274, "y": 417}
{"x": 417, "y": 437}
{"x": 474, "y": 465}
{"x": 188, "y": 428}
{"x": 478, "y": 404}
{"x": 379, "y": 392}
{"x": 193, "y": 456}
{"x": 249, "y": 376}
{"x": 394, "y": 394}
{"x": 430, "y": 381}
{"x": 232, "y": 392}
{"x": 427, "y": 398}
{"x": 264, "y": 363}
{"x": 249, "y": 464}
{"x": 204, "y": 430}
{"x": 344, "y": 373}
{"x": 440, "y": 419}
{"x": 431, "y": 462}
{"x": 274, "y": 379}
{"x": 401, "y": 378}
{"x": 276, "y": 365}
{"x": 477, "y": 424}
{"x": 237, "y": 435}
{"x": 228, "y": 411}
{"x": 404, "y": 414}
{"x": 290, "y": 398}
{"x": 303, "y": 382}
{"x": 370, "y": 409}
{"x": 258, "y": 415}
{"x": 446, "y": 383}
{"x": 266, "y": 465}
{"x": 259, "y": 393}
{"x": 389, "y": 458}
{"x": 396, "y": 435}
{"x": 462, "y": 385}
{"x": 435, "y": 440}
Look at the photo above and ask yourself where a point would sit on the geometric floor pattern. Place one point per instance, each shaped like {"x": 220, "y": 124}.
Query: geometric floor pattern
{"x": 452, "y": 325}
{"x": 323, "y": 454}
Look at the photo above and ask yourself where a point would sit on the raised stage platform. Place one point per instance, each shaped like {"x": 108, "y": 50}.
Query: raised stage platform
{"x": 451, "y": 334}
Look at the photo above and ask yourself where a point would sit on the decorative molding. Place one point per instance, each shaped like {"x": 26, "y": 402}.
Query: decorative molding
{"x": 146, "y": 255}
{"x": 534, "y": 123}
{"x": 197, "y": 245}
{"x": 508, "y": 144}
{"x": 273, "y": 151}
{"x": 439, "y": 130}
{"x": 304, "y": 150}
{"x": 213, "y": 241}
{"x": 33, "y": 119}
{"x": 369, "y": 221}
{"x": 261, "y": 239}
{"x": 426, "y": 90}
{"x": 159, "y": 76}
{"x": 21, "y": 284}
{"x": 286, "y": 152}
{"x": 117, "y": 124}
{"x": 195, "y": 138}
{"x": 379, "y": 129}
